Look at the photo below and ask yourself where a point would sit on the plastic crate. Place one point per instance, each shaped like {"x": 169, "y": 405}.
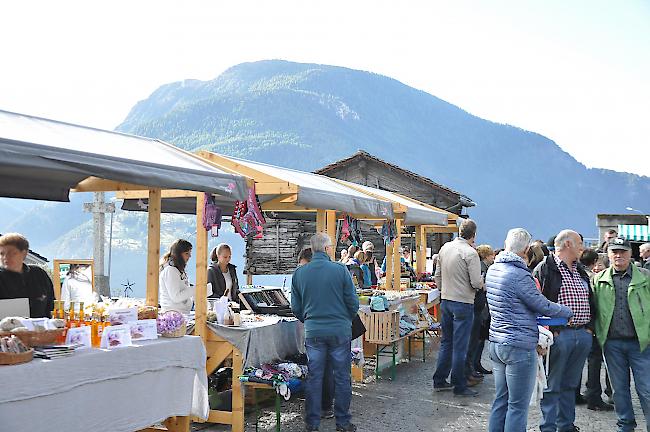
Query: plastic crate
{"x": 381, "y": 327}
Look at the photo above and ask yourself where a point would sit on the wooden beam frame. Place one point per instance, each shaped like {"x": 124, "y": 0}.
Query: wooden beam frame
{"x": 421, "y": 249}
{"x": 153, "y": 246}
{"x": 201, "y": 257}
{"x": 397, "y": 243}
{"x": 331, "y": 231}
{"x": 96, "y": 184}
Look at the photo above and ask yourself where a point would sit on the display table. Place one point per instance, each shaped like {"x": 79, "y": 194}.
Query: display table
{"x": 265, "y": 341}
{"x": 248, "y": 345}
{"x": 125, "y": 389}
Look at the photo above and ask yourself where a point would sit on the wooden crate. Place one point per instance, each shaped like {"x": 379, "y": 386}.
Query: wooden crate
{"x": 381, "y": 327}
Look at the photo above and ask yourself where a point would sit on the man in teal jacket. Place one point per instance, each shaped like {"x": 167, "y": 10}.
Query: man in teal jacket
{"x": 622, "y": 297}
{"x": 324, "y": 299}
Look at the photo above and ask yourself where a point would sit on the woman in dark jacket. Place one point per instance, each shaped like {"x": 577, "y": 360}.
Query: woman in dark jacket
{"x": 223, "y": 275}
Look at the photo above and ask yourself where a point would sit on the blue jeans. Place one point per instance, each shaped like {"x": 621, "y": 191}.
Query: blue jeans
{"x": 327, "y": 401}
{"x": 568, "y": 355}
{"x": 621, "y": 355}
{"x": 456, "y": 327}
{"x": 514, "y": 378}
{"x": 335, "y": 350}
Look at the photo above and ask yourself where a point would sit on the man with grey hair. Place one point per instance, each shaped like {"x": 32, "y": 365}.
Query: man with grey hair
{"x": 325, "y": 300}
{"x": 458, "y": 275}
{"x": 564, "y": 280}
{"x": 644, "y": 251}
{"x": 514, "y": 304}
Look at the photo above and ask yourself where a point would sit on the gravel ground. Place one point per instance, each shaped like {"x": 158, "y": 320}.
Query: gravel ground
{"x": 408, "y": 404}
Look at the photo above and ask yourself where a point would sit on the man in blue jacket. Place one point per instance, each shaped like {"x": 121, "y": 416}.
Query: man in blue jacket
{"x": 325, "y": 300}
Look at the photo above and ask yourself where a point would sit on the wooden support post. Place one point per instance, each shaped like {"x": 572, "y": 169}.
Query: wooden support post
{"x": 389, "y": 265}
{"x": 153, "y": 246}
{"x": 331, "y": 231}
{"x": 201, "y": 257}
{"x": 321, "y": 221}
{"x": 177, "y": 424}
{"x": 397, "y": 273}
{"x": 421, "y": 249}
{"x": 237, "y": 394}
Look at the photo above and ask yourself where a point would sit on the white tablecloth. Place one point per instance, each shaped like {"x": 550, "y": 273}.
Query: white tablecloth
{"x": 125, "y": 389}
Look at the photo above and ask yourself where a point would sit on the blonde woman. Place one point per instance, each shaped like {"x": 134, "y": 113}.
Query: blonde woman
{"x": 222, "y": 274}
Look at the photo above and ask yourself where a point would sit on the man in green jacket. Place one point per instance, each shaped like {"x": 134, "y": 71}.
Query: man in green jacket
{"x": 324, "y": 298}
{"x": 622, "y": 294}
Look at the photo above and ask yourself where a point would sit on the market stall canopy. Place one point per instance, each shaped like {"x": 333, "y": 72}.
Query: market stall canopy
{"x": 45, "y": 159}
{"x": 415, "y": 213}
{"x": 312, "y": 191}
{"x": 639, "y": 233}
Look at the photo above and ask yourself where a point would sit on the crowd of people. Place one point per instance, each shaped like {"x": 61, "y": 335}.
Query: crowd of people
{"x": 601, "y": 297}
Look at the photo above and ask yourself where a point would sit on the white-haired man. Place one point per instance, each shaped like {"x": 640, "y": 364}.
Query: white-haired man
{"x": 564, "y": 280}
{"x": 514, "y": 304}
{"x": 644, "y": 250}
{"x": 324, "y": 298}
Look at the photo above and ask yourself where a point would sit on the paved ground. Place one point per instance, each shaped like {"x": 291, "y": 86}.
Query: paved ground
{"x": 408, "y": 404}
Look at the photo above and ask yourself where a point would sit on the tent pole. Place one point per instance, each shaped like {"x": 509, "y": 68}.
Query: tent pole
{"x": 153, "y": 246}
{"x": 331, "y": 231}
{"x": 397, "y": 273}
{"x": 201, "y": 256}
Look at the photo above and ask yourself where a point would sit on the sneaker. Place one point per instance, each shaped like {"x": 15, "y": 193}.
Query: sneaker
{"x": 609, "y": 400}
{"x": 350, "y": 427}
{"x": 327, "y": 414}
{"x": 310, "y": 428}
{"x": 445, "y": 386}
{"x": 600, "y": 406}
{"x": 466, "y": 392}
{"x": 580, "y": 399}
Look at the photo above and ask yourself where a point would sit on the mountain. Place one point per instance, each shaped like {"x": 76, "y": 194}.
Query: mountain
{"x": 305, "y": 116}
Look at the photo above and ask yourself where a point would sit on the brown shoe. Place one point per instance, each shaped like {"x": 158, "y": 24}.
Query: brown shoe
{"x": 471, "y": 381}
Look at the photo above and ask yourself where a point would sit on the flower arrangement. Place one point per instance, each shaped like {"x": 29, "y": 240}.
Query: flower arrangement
{"x": 171, "y": 324}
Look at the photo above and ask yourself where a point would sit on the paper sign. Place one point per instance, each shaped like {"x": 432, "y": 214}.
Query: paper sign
{"x": 123, "y": 316}
{"x": 143, "y": 330}
{"x": 117, "y": 336}
{"x": 79, "y": 336}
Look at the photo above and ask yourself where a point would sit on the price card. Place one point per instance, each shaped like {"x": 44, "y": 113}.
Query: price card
{"x": 143, "y": 330}
{"x": 123, "y": 316}
{"x": 117, "y": 336}
{"x": 79, "y": 336}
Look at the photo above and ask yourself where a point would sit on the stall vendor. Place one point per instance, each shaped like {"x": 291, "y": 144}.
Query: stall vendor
{"x": 18, "y": 280}
{"x": 175, "y": 292}
{"x": 222, "y": 274}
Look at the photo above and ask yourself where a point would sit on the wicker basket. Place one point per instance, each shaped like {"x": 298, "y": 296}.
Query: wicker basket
{"x": 180, "y": 332}
{"x": 12, "y": 358}
{"x": 36, "y": 338}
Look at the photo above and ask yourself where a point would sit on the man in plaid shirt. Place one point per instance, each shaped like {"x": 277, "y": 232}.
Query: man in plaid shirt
{"x": 564, "y": 280}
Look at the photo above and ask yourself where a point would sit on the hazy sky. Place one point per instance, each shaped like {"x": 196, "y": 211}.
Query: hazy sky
{"x": 575, "y": 71}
